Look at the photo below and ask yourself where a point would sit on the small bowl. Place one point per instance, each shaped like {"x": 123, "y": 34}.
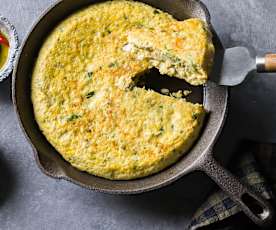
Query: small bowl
{"x": 10, "y": 33}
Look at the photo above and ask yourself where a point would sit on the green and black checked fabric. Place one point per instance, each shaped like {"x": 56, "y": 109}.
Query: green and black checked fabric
{"x": 255, "y": 165}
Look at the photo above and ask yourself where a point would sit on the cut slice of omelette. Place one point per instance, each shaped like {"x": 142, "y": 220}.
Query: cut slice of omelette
{"x": 179, "y": 49}
{"x": 85, "y": 107}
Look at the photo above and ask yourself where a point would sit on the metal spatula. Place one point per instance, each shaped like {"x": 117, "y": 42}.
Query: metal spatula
{"x": 239, "y": 61}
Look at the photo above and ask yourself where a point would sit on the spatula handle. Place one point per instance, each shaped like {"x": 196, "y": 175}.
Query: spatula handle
{"x": 266, "y": 63}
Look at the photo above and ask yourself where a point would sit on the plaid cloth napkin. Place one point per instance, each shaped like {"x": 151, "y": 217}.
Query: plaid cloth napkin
{"x": 256, "y": 167}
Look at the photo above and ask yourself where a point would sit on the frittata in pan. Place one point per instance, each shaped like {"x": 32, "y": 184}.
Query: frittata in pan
{"x": 85, "y": 107}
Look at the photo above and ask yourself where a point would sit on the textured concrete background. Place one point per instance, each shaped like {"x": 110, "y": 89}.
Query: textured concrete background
{"x": 30, "y": 200}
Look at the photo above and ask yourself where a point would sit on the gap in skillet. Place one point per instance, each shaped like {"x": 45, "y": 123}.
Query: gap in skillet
{"x": 153, "y": 80}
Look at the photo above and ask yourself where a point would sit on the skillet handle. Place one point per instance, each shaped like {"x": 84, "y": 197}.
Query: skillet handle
{"x": 251, "y": 203}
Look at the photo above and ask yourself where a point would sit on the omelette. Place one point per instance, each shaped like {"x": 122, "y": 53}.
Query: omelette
{"x": 86, "y": 102}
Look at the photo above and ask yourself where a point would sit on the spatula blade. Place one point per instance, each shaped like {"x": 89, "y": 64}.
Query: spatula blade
{"x": 237, "y": 63}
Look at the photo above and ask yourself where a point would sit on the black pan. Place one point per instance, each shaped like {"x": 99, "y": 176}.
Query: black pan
{"x": 199, "y": 158}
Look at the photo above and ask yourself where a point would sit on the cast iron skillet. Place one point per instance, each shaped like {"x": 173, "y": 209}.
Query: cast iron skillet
{"x": 200, "y": 157}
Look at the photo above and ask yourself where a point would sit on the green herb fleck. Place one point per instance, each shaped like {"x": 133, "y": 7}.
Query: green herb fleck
{"x": 73, "y": 117}
{"x": 156, "y": 12}
{"x": 140, "y": 24}
{"x": 90, "y": 94}
{"x": 61, "y": 102}
{"x": 112, "y": 174}
{"x": 195, "y": 116}
{"x": 90, "y": 75}
{"x": 112, "y": 64}
{"x": 160, "y": 132}
{"x": 171, "y": 56}
{"x": 194, "y": 68}
{"x": 205, "y": 29}
{"x": 108, "y": 30}
{"x": 125, "y": 17}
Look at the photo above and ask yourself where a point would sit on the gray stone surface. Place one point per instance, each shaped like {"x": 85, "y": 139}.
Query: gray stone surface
{"x": 30, "y": 200}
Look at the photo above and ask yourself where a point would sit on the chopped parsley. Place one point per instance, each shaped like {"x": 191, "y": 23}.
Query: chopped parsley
{"x": 156, "y": 11}
{"x": 195, "y": 116}
{"x": 169, "y": 54}
{"x": 140, "y": 24}
{"x": 194, "y": 68}
{"x": 90, "y": 75}
{"x": 90, "y": 94}
{"x": 160, "y": 132}
{"x": 108, "y": 30}
{"x": 205, "y": 29}
{"x": 112, "y": 64}
{"x": 73, "y": 117}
